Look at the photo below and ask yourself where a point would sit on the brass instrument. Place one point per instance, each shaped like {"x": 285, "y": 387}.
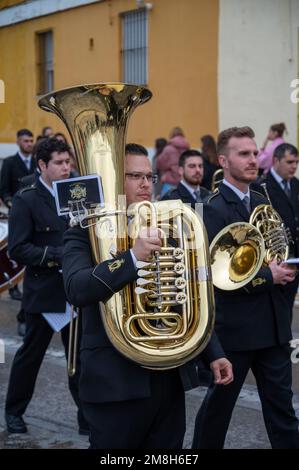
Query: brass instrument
{"x": 11, "y": 272}
{"x": 241, "y": 249}
{"x": 216, "y": 179}
{"x": 166, "y": 317}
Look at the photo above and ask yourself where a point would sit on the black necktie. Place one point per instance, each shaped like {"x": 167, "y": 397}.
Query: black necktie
{"x": 197, "y": 195}
{"x": 286, "y": 188}
{"x": 246, "y": 203}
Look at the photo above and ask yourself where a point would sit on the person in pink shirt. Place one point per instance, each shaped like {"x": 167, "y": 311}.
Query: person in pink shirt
{"x": 168, "y": 160}
{"x": 273, "y": 139}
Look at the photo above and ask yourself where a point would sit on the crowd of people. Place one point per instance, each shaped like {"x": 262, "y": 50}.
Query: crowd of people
{"x": 253, "y": 323}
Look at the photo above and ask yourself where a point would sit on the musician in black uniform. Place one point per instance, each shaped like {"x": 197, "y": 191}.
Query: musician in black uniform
{"x": 253, "y": 322}
{"x": 191, "y": 170}
{"x": 126, "y": 405}
{"x": 283, "y": 189}
{"x": 17, "y": 166}
{"x": 14, "y": 168}
{"x": 189, "y": 191}
{"x": 35, "y": 240}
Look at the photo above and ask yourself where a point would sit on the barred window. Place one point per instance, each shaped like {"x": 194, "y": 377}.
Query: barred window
{"x": 134, "y": 47}
{"x": 45, "y": 66}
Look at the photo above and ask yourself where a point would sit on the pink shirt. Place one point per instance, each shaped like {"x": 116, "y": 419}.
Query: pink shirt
{"x": 265, "y": 157}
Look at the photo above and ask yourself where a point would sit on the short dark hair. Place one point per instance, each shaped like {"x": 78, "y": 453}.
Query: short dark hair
{"x": 136, "y": 149}
{"x": 22, "y": 132}
{"x": 45, "y": 129}
{"x": 280, "y": 151}
{"x": 227, "y": 134}
{"x": 280, "y": 128}
{"x": 189, "y": 153}
{"x": 46, "y": 147}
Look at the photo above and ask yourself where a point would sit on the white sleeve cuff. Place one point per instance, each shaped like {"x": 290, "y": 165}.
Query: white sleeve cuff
{"x": 134, "y": 259}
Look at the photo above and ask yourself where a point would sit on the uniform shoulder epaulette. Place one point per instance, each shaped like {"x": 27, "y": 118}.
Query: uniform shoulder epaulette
{"x": 212, "y": 196}
{"x": 263, "y": 196}
{"x": 257, "y": 192}
{"x": 28, "y": 188}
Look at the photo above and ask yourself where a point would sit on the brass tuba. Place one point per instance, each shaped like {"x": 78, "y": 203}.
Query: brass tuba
{"x": 240, "y": 250}
{"x": 166, "y": 317}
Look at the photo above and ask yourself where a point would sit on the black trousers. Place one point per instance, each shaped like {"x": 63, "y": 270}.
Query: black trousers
{"x": 273, "y": 373}
{"x": 290, "y": 291}
{"x": 27, "y": 362}
{"x": 157, "y": 422}
{"x": 21, "y": 317}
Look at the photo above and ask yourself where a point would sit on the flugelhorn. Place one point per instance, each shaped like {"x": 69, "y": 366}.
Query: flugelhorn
{"x": 240, "y": 250}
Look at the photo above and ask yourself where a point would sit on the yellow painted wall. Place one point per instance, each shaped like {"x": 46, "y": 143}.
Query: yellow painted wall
{"x": 183, "y": 55}
{"x": 9, "y": 3}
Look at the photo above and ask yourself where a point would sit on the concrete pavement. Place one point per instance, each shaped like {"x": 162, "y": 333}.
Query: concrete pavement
{"x": 51, "y": 415}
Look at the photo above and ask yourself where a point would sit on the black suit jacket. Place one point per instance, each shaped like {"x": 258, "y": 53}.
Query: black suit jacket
{"x": 106, "y": 375}
{"x": 13, "y": 170}
{"x": 181, "y": 192}
{"x": 256, "y": 316}
{"x": 35, "y": 240}
{"x": 288, "y": 208}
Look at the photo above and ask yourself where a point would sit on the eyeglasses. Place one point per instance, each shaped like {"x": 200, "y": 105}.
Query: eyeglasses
{"x": 141, "y": 176}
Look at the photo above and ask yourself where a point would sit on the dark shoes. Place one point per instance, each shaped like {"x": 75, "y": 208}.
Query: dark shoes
{"x": 21, "y": 328}
{"x": 15, "y": 424}
{"x": 15, "y": 293}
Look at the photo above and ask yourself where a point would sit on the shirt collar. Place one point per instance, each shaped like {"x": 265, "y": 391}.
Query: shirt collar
{"x": 277, "y": 177}
{"x": 24, "y": 157}
{"x": 237, "y": 191}
{"x": 51, "y": 190}
{"x": 189, "y": 188}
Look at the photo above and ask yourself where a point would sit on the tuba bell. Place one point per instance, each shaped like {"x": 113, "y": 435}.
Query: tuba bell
{"x": 166, "y": 317}
{"x": 240, "y": 250}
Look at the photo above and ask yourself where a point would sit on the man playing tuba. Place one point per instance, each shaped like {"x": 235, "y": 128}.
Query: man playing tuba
{"x": 126, "y": 405}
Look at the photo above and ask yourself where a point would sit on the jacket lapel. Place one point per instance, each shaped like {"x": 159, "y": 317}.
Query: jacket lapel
{"x": 46, "y": 195}
{"x": 231, "y": 197}
{"x": 185, "y": 195}
{"x": 275, "y": 187}
{"x": 23, "y": 168}
{"x": 294, "y": 194}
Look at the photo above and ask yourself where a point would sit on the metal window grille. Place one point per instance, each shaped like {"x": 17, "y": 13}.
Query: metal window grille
{"x": 45, "y": 63}
{"x": 134, "y": 47}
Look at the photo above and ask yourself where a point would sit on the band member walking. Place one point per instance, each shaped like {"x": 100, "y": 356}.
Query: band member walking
{"x": 126, "y": 405}
{"x": 283, "y": 189}
{"x": 35, "y": 240}
{"x": 191, "y": 170}
{"x": 252, "y": 322}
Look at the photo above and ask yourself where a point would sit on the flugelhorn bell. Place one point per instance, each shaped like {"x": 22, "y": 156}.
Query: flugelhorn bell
{"x": 237, "y": 254}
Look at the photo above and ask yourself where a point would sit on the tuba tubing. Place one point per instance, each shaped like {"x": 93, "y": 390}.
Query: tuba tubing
{"x": 166, "y": 318}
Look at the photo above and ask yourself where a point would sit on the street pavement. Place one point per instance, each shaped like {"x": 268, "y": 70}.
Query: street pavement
{"x": 51, "y": 415}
